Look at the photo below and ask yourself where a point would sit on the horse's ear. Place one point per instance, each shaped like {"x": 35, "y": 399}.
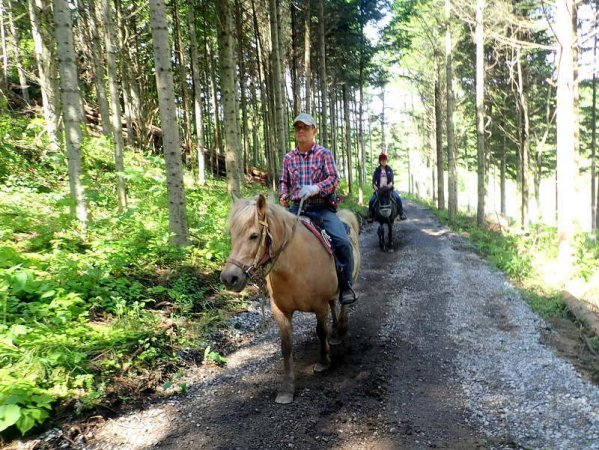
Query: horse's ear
{"x": 261, "y": 205}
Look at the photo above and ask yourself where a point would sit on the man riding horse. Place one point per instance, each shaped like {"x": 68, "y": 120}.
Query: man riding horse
{"x": 309, "y": 174}
{"x": 383, "y": 177}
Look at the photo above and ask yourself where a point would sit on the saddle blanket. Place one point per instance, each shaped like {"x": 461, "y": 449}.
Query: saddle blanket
{"x": 321, "y": 234}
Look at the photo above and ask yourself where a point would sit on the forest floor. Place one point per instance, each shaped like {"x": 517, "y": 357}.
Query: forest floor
{"x": 443, "y": 353}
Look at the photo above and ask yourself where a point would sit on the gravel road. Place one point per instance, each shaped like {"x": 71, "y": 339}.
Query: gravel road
{"x": 443, "y": 353}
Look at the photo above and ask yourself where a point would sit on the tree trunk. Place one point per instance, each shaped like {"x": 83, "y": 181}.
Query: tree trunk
{"x": 452, "y": 177}
{"x": 480, "y": 112}
{"x": 4, "y": 84}
{"x": 72, "y": 111}
{"x": 242, "y": 83}
{"x": 307, "y": 67}
{"x": 168, "y": 121}
{"x": 502, "y": 175}
{"x": 439, "y": 136}
{"x": 115, "y": 102}
{"x": 90, "y": 30}
{"x": 278, "y": 96}
{"x": 197, "y": 95}
{"x": 181, "y": 71}
{"x": 594, "y": 195}
{"x": 347, "y": 138}
{"x": 17, "y": 53}
{"x": 43, "y": 37}
{"x": 228, "y": 91}
{"x": 323, "y": 75}
{"x": 524, "y": 133}
{"x": 566, "y": 169}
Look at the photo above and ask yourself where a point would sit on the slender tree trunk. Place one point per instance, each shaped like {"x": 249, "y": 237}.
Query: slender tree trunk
{"x": 594, "y": 195}
{"x": 120, "y": 36}
{"x": 242, "y": 83}
{"x": 115, "y": 102}
{"x": 72, "y": 111}
{"x": 228, "y": 90}
{"x": 502, "y": 175}
{"x": 197, "y": 95}
{"x": 439, "y": 136}
{"x": 181, "y": 71}
{"x": 17, "y": 53}
{"x": 524, "y": 145}
{"x": 40, "y": 13}
{"x": 307, "y": 67}
{"x": 323, "y": 75}
{"x": 3, "y": 43}
{"x": 90, "y": 29}
{"x": 480, "y": 112}
{"x": 168, "y": 121}
{"x": 452, "y": 177}
{"x": 566, "y": 168}
{"x": 346, "y": 116}
{"x": 278, "y": 96}
{"x": 295, "y": 50}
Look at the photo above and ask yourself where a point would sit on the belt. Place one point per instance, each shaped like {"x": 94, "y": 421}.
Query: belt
{"x": 313, "y": 201}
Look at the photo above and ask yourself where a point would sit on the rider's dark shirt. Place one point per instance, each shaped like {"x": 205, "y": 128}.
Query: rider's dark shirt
{"x": 376, "y": 176}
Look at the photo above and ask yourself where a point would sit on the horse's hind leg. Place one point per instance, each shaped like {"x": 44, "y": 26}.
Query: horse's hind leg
{"x": 325, "y": 351}
{"x": 285, "y": 394}
{"x": 339, "y": 324}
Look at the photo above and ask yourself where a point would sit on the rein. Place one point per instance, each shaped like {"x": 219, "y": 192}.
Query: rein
{"x": 258, "y": 270}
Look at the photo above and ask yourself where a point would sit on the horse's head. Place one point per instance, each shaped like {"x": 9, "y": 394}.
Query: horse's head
{"x": 385, "y": 208}
{"x": 250, "y": 240}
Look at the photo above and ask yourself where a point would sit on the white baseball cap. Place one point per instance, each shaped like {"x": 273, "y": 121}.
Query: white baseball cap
{"x": 305, "y": 118}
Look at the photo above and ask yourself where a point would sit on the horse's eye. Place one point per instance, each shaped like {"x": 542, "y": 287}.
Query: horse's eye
{"x": 253, "y": 236}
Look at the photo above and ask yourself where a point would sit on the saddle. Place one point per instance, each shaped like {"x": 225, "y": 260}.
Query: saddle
{"x": 319, "y": 232}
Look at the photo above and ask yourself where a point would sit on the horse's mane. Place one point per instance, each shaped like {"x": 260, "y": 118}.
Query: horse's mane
{"x": 244, "y": 214}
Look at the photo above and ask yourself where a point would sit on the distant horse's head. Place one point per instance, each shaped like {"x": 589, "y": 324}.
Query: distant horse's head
{"x": 385, "y": 208}
{"x": 249, "y": 241}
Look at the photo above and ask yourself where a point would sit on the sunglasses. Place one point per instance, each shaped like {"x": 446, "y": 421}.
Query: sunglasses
{"x": 302, "y": 127}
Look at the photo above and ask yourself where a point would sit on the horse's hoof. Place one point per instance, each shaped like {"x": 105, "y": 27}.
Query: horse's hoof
{"x": 320, "y": 367}
{"x": 391, "y": 250}
{"x": 284, "y": 398}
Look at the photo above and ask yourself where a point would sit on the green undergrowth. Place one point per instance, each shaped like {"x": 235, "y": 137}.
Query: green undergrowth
{"x": 90, "y": 319}
{"x": 525, "y": 257}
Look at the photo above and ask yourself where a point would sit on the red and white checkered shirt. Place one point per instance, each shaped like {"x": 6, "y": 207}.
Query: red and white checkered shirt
{"x": 316, "y": 166}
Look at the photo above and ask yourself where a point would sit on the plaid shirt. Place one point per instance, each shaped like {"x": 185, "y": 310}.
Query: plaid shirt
{"x": 316, "y": 166}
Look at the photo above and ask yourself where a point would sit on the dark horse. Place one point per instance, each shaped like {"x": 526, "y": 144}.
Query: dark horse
{"x": 385, "y": 212}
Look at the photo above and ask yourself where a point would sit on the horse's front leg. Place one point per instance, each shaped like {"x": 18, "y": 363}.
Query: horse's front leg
{"x": 391, "y": 236}
{"x": 285, "y": 394}
{"x": 325, "y": 350}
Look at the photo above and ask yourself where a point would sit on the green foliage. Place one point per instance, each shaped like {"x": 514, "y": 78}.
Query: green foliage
{"x": 77, "y": 311}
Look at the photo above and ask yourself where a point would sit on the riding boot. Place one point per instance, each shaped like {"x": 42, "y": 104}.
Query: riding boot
{"x": 402, "y": 215}
{"x": 370, "y": 216}
{"x": 347, "y": 295}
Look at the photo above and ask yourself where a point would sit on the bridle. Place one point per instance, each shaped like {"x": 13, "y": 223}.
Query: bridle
{"x": 257, "y": 270}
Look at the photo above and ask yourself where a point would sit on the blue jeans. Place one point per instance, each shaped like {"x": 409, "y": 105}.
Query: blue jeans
{"x": 394, "y": 196}
{"x": 340, "y": 240}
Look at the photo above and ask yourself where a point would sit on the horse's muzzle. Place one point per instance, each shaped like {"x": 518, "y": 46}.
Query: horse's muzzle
{"x": 233, "y": 278}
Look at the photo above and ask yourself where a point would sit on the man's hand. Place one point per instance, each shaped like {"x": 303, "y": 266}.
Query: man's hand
{"x": 284, "y": 200}
{"x": 309, "y": 190}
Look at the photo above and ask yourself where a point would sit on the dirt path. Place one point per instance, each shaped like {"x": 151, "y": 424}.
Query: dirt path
{"x": 411, "y": 376}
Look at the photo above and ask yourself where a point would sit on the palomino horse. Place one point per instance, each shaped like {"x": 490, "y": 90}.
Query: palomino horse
{"x": 385, "y": 212}
{"x": 268, "y": 241}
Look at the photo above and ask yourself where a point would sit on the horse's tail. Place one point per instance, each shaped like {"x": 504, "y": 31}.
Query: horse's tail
{"x": 349, "y": 218}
